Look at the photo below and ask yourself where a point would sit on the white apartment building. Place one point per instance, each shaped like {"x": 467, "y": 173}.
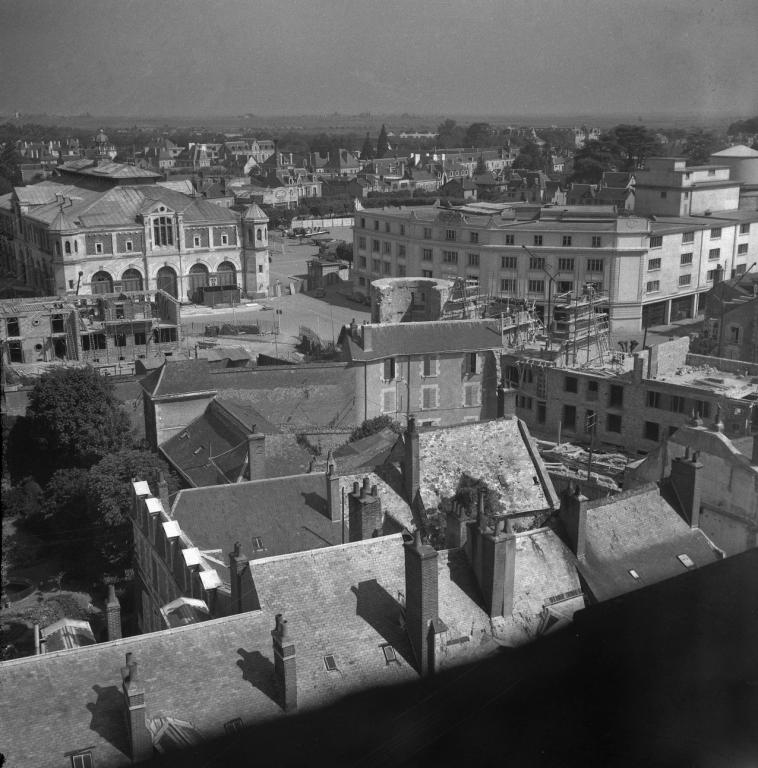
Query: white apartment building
{"x": 652, "y": 268}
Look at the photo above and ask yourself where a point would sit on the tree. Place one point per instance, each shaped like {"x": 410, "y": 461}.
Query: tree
{"x": 450, "y": 134}
{"x": 74, "y": 419}
{"x": 529, "y": 157}
{"x": 69, "y": 524}
{"x": 595, "y": 157}
{"x": 10, "y": 171}
{"x": 382, "y": 143}
{"x": 478, "y": 135}
{"x": 699, "y": 145}
{"x": 372, "y": 426}
{"x": 367, "y": 152}
{"x": 637, "y": 143}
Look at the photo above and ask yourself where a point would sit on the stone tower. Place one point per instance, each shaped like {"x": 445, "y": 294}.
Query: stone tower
{"x": 255, "y": 251}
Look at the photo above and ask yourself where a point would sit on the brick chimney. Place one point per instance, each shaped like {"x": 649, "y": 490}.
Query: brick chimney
{"x": 256, "y": 456}
{"x": 574, "y": 516}
{"x": 365, "y": 507}
{"x": 285, "y": 668}
{"x": 492, "y": 554}
{"x": 686, "y": 477}
{"x": 113, "y": 614}
{"x": 411, "y": 461}
{"x": 140, "y": 740}
{"x": 238, "y": 565}
{"x": 421, "y": 600}
{"x": 333, "y": 496}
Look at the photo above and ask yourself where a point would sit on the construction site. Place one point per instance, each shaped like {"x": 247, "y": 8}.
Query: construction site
{"x": 102, "y": 329}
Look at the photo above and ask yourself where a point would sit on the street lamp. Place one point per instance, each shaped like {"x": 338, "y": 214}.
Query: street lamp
{"x": 548, "y": 316}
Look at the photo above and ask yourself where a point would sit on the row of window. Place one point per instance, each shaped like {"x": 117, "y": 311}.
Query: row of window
{"x": 429, "y": 398}
{"x": 656, "y": 241}
{"x": 430, "y": 366}
{"x": 654, "y": 286}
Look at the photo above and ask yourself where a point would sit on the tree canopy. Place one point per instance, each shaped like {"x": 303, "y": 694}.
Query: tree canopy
{"x": 382, "y": 143}
{"x": 623, "y": 148}
{"x": 529, "y": 157}
{"x": 75, "y": 419}
{"x": 699, "y": 145}
{"x": 367, "y": 151}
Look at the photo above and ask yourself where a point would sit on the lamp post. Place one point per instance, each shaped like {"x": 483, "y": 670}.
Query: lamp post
{"x": 548, "y": 315}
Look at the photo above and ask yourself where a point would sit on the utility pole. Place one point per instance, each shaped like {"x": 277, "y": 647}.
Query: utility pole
{"x": 548, "y": 315}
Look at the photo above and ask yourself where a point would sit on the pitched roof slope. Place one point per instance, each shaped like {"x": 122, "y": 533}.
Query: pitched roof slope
{"x": 638, "y": 530}
{"x": 498, "y": 452}
{"x": 204, "y": 673}
{"x": 423, "y": 338}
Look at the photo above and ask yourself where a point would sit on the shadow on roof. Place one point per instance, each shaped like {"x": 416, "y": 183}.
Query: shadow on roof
{"x": 108, "y": 717}
{"x": 259, "y": 672}
{"x": 383, "y": 612}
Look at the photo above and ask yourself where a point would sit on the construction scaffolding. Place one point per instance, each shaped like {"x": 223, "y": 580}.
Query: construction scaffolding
{"x": 580, "y": 326}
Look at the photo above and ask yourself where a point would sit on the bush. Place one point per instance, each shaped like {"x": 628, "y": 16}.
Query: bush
{"x": 372, "y": 426}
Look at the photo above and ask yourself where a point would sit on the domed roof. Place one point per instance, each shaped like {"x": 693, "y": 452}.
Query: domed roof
{"x": 254, "y": 212}
{"x": 739, "y": 150}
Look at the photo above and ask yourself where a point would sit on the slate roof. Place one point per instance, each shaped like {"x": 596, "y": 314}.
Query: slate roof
{"x": 213, "y": 448}
{"x": 341, "y": 601}
{"x": 499, "y": 452}
{"x": 423, "y": 338}
{"x": 638, "y": 530}
{"x": 178, "y": 377}
{"x": 369, "y": 451}
{"x": 288, "y": 514}
{"x": 116, "y": 206}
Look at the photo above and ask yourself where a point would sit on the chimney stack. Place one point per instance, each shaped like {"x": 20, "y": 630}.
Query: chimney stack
{"x": 256, "y": 456}
{"x": 238, "y": 565}
{"x": 421, "y": 600}
{"x": 686, "y": 477}
{"x": 574, "y": 516}
{"x": 366, "y": 337}
{"x": 492, "y": 554}
{"x": 140, "y": 740}
{"x": 285, "y": 668}
{"x": 411, "y": 461}
{"x": 333, "y": 498}
{"x": 366, "y": 520}
{"x": 113, "y": 614}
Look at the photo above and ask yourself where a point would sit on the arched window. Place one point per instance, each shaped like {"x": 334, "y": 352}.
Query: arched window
{"x": 166, "y": 281}
{"x": 260, "y": 234}
{"x": 76, "y": 247}
{"x": 131, "y": 280}
{"x": 227, "y": 273}
{"x": 102, "y": 282}
{"x": 198, "y": 277}
{"x": 67, "y": 246}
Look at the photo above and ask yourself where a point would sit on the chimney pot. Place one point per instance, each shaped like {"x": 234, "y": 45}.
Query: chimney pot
{"x": 374, "y": 490}
{"x": 356, "y": 488}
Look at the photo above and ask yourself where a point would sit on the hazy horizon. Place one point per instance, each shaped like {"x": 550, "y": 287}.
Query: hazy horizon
{"x": 542, "y": 59}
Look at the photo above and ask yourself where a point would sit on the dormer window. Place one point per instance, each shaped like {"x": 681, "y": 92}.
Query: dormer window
{"x": 82, "y": 760}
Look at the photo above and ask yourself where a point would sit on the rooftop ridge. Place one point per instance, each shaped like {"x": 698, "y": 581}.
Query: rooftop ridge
{"x": 628, "y": 494}
{"x": 329, "y": 551}
{"x": 134, "y": 639}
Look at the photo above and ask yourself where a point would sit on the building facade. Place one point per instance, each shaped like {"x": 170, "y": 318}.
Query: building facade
{"x": 106, "y": 227}
{"x": 653, "y": 269}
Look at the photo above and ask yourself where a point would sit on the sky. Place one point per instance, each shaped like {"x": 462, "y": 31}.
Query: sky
{"x": 442, "y": 57}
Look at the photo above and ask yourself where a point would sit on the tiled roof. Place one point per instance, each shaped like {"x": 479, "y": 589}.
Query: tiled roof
{"x": 309, "y": 394}
{"x": 638, "y": 531}
{"x": 116, "y": 206}
{"x": 427, "y": 338}
{"x": 369, "y": 451}
{"x": 288, "y": 514}
{"x": 339, "y": 601}
{"x": 497, "y": 452}
{"x": 213, "y": 448}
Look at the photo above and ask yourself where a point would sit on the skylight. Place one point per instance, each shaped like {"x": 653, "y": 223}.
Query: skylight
{"x": 330, "y": 663}
{"x": 686, "y": 561}
{"x": 257, "y": 544}
{"x": 633, "y": 573}
{"x": 389, "y": 654}
{"x": 82, "y": 760}
{"x": 197, "y": 450}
